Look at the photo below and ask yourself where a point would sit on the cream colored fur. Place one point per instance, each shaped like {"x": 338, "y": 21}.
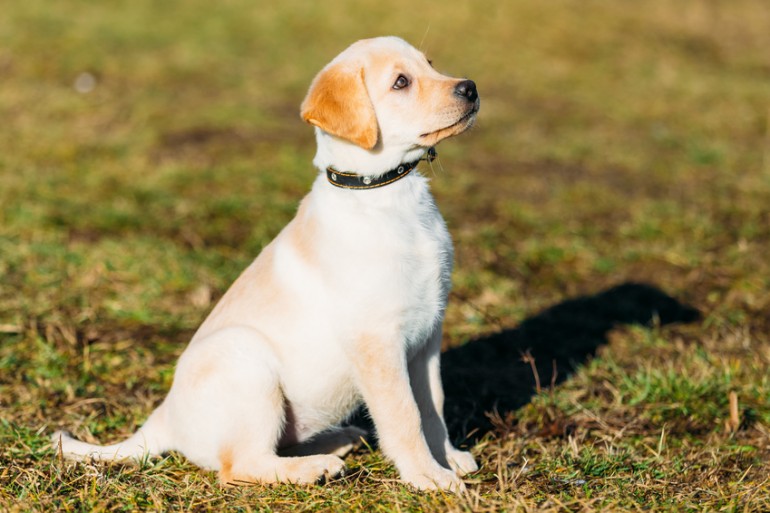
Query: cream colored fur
{"x": 345, "y": 306}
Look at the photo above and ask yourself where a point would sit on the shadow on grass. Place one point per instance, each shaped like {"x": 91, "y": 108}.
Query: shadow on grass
{"x": 490, "y": 374}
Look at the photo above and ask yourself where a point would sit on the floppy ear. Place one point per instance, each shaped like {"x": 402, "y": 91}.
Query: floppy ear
{"x": 338, "y": 103}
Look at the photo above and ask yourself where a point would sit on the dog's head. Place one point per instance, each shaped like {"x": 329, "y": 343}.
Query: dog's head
{"x": 382, "y": 94}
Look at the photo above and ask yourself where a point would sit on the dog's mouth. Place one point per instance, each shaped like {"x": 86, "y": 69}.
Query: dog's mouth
{"x": 458, "y": 127}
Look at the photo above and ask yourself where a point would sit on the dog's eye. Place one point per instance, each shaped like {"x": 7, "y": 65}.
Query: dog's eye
{"x": 401, "y": 82}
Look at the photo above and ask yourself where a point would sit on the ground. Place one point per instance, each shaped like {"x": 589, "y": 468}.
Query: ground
{"x": 607, "y": 340}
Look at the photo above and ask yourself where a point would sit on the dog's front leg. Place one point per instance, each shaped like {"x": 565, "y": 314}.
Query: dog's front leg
{"x": 383, "y": 379}
{"x": 425, "y": 378}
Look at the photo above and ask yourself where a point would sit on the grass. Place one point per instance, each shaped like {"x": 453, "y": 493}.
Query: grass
{"x": 616, "y": 144}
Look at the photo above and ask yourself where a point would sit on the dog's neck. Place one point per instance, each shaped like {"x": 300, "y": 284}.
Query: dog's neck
{"x": 347, "y": 157}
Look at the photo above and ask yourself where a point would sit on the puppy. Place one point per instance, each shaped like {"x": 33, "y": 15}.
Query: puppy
{"x": 345, "y": 306}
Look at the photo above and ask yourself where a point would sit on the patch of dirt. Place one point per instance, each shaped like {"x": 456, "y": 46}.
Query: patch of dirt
{"x": 209, "y": 142}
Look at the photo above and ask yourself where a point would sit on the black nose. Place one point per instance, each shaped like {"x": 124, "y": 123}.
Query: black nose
{"x": 467, "y": 89}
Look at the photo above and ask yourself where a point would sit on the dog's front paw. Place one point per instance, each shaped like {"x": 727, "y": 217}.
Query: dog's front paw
{"x": 348, "y": 439}
{"x": 435, "y": 478}
{"x": 462, "y": 462}
{"x": 319, "y": 468}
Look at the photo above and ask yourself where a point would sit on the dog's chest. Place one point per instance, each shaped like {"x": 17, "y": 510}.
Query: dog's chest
{"x": 425, "y": 278}
{"x": 398, "y": 262}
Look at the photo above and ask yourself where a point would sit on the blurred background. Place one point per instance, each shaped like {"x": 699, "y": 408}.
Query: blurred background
{"x": 149, "y": 150}
{"x": 615, "y": 142}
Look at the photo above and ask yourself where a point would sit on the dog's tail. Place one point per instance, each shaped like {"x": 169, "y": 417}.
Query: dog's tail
{"x": 152, "y": 439}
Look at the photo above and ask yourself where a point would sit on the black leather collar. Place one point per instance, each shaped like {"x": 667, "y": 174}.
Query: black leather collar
{"x": 348, "y": 180}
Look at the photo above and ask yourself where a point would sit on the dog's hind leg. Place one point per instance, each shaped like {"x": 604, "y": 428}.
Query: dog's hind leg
{"x": 229, "y": 411}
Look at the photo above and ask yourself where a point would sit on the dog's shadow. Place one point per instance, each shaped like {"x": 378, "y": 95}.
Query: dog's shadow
{"x": 495, "y": 373}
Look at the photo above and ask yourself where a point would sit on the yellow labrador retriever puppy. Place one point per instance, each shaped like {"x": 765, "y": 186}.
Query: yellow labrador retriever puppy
{"x": 345, "y": 306}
